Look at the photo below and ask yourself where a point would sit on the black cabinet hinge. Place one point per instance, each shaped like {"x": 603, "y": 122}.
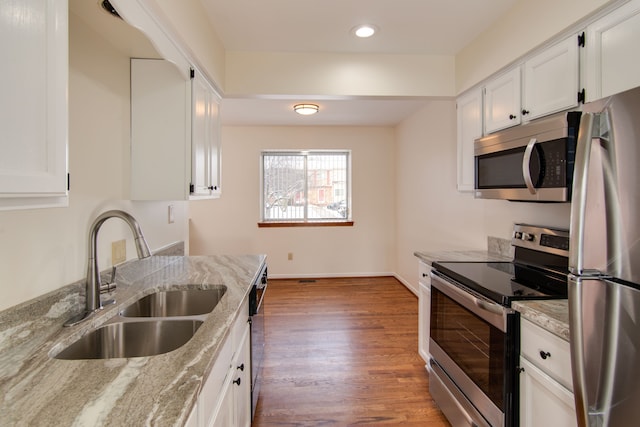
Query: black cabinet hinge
{"x": 582, "y": 97}
{"x": 191, "y": 188}
{"x": 192, "y": 73}
{"x": 68, "y": 181}
{"x": 581, "y": 39}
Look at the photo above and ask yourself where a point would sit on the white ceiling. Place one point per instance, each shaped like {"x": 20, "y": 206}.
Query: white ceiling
{"x": 431, "y": 27}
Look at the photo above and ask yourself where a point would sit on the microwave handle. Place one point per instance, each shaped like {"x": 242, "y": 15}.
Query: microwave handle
{"x": 526, "y": 160}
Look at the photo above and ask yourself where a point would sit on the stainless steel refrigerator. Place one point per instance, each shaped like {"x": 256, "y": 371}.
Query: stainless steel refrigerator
{"x": 604, "y": 285}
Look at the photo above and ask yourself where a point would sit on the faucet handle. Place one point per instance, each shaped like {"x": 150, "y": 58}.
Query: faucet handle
{"x": 111, "y": 284}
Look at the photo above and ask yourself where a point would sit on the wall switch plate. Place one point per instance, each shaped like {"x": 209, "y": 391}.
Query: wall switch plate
{"x": 290, "y": 256}
{"x": 118, "y": 252}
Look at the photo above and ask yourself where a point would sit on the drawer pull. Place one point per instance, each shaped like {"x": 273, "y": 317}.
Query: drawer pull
{"x": 237, "y": 381}
{"x": 544, "y": 354}
{"x": 241, "y": 367}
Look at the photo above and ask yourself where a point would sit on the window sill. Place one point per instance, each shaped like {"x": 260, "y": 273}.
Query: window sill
{"x": 305, "y": 224}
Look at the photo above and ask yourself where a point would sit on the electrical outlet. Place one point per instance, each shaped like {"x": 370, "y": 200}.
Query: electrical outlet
{"x": 118, "y": 252}
{"x": 172, "y": 217}
{"x": 290, "y": 256}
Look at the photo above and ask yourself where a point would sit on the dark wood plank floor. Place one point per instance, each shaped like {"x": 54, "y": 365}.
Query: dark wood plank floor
{"x": 343, "y": 352}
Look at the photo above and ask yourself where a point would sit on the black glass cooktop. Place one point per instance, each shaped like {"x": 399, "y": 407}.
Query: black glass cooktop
{"x": 504, "y": 282}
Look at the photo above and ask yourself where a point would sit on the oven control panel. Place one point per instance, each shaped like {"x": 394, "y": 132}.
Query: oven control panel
{"x": 544, "y": 239}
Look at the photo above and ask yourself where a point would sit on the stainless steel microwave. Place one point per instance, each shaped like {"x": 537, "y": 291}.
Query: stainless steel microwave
{"x": 532, "y": 162}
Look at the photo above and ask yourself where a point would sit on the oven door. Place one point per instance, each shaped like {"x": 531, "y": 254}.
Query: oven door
{"x": 474, "y": 349}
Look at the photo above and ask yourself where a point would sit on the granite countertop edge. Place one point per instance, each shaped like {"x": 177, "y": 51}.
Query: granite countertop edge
{"x": 157, "y": 390}
{"x": 550, "y": 315}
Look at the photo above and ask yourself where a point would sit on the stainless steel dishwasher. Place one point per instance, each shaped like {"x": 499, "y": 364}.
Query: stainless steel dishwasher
{"x": 256, "y": 313}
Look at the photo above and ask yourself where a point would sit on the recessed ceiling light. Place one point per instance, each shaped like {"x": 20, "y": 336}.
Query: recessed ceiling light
{"x": 364, "y": 31}
{"x": 306, "y": 109}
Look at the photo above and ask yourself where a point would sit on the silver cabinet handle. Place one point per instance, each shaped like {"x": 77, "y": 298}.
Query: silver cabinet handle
{"x": 526, "y": 170}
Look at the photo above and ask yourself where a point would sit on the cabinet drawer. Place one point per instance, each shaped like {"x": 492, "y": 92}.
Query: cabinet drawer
{"x": 546, "y": 351}
{"x": 423, "y": 273}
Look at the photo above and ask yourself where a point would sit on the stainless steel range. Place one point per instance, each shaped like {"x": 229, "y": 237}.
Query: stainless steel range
{"x": 475, "y": 334}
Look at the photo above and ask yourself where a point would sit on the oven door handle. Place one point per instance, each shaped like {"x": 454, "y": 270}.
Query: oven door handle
{"x": 491, "y": 312}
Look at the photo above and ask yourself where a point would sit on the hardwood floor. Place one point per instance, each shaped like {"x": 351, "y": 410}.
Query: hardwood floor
{"x": 343, "y": 352}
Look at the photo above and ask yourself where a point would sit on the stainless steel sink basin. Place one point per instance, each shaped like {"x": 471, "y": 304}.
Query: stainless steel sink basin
{"x": 190, "y": 302}
{"x": 132, "y": 339}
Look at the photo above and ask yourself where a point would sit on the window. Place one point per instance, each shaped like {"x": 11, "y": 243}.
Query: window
{"x": 308, "y": 187}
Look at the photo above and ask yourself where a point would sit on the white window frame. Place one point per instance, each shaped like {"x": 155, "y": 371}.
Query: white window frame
{"x": 306, "y": 221}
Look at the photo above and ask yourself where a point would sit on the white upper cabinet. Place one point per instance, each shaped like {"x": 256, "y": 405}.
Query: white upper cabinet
{"x": 544, "y": 83}
{"x": 205, "y": 154}
{"x": 33, "y": 105}
{"x": 469, "y": 111}
{"x": 551, "y": 80}
{"x": 174, "y": 133}
{"x": 611, "y": 64}
{"x": 160, "y": 131}
{"x": 502, "y": 101}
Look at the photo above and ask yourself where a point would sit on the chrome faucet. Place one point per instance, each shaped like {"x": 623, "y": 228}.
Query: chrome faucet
{"x": 94, "y": 284}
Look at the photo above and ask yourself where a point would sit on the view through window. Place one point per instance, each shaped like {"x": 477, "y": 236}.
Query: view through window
{"x": 305, "y": 186}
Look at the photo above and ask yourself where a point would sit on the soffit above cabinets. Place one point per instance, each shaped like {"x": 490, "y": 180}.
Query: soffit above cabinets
{"x": 115, "y": 31}
{"x": 430, "y": 27}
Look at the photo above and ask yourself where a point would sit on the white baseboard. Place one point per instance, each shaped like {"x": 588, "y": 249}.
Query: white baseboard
{"x": 344, "y": 275}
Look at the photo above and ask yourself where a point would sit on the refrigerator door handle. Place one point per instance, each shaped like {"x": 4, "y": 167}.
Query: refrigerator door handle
{"x": 577, "y": 350}
{"x": 526, "y": 168}
{"x": 579, "y": 197}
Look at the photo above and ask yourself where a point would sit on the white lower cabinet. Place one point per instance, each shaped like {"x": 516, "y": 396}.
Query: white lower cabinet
{"x": 241, "y": 383}
{"x": 225, "y": 398}
{"x": 424, "y": 309}
{"x": 546, "y": 396}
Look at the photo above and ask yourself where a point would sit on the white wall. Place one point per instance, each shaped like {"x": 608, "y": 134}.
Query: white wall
{"x": 44, "y": 249}
{"x": 229, "y": 225}
{"x": 430, "y": 213}
{"x": 335, "y": 74}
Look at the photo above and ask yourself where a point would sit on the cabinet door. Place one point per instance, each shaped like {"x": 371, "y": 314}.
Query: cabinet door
{"x": 33, "y": 105}
{"x": 205, "y": 143}
{"x": 469, "y": 123}
{"x": 543, "y": 401}
{"x": 551, "y": 80}
{"x": 242, "y": 382}
{"x": 424, "y": 310}
{"x": 223, "y": 415}
{"x": 612, "y": 64}
{"x": 160, "y": 134}
{"x": 502, "y": 101}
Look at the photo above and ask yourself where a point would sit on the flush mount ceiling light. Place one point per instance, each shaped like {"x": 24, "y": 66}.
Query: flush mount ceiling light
{"x": 364, "y": 31}
{"x": 306, "y": 109}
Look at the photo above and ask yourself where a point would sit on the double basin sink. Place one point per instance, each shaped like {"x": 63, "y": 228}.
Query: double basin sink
{"x": 157, "y": 323}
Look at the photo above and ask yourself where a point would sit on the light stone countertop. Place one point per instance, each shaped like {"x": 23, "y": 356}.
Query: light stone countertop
{"x": 551, "y": 315}
{"x": 37, "y": 390}
{"x": 429, "y": 257}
